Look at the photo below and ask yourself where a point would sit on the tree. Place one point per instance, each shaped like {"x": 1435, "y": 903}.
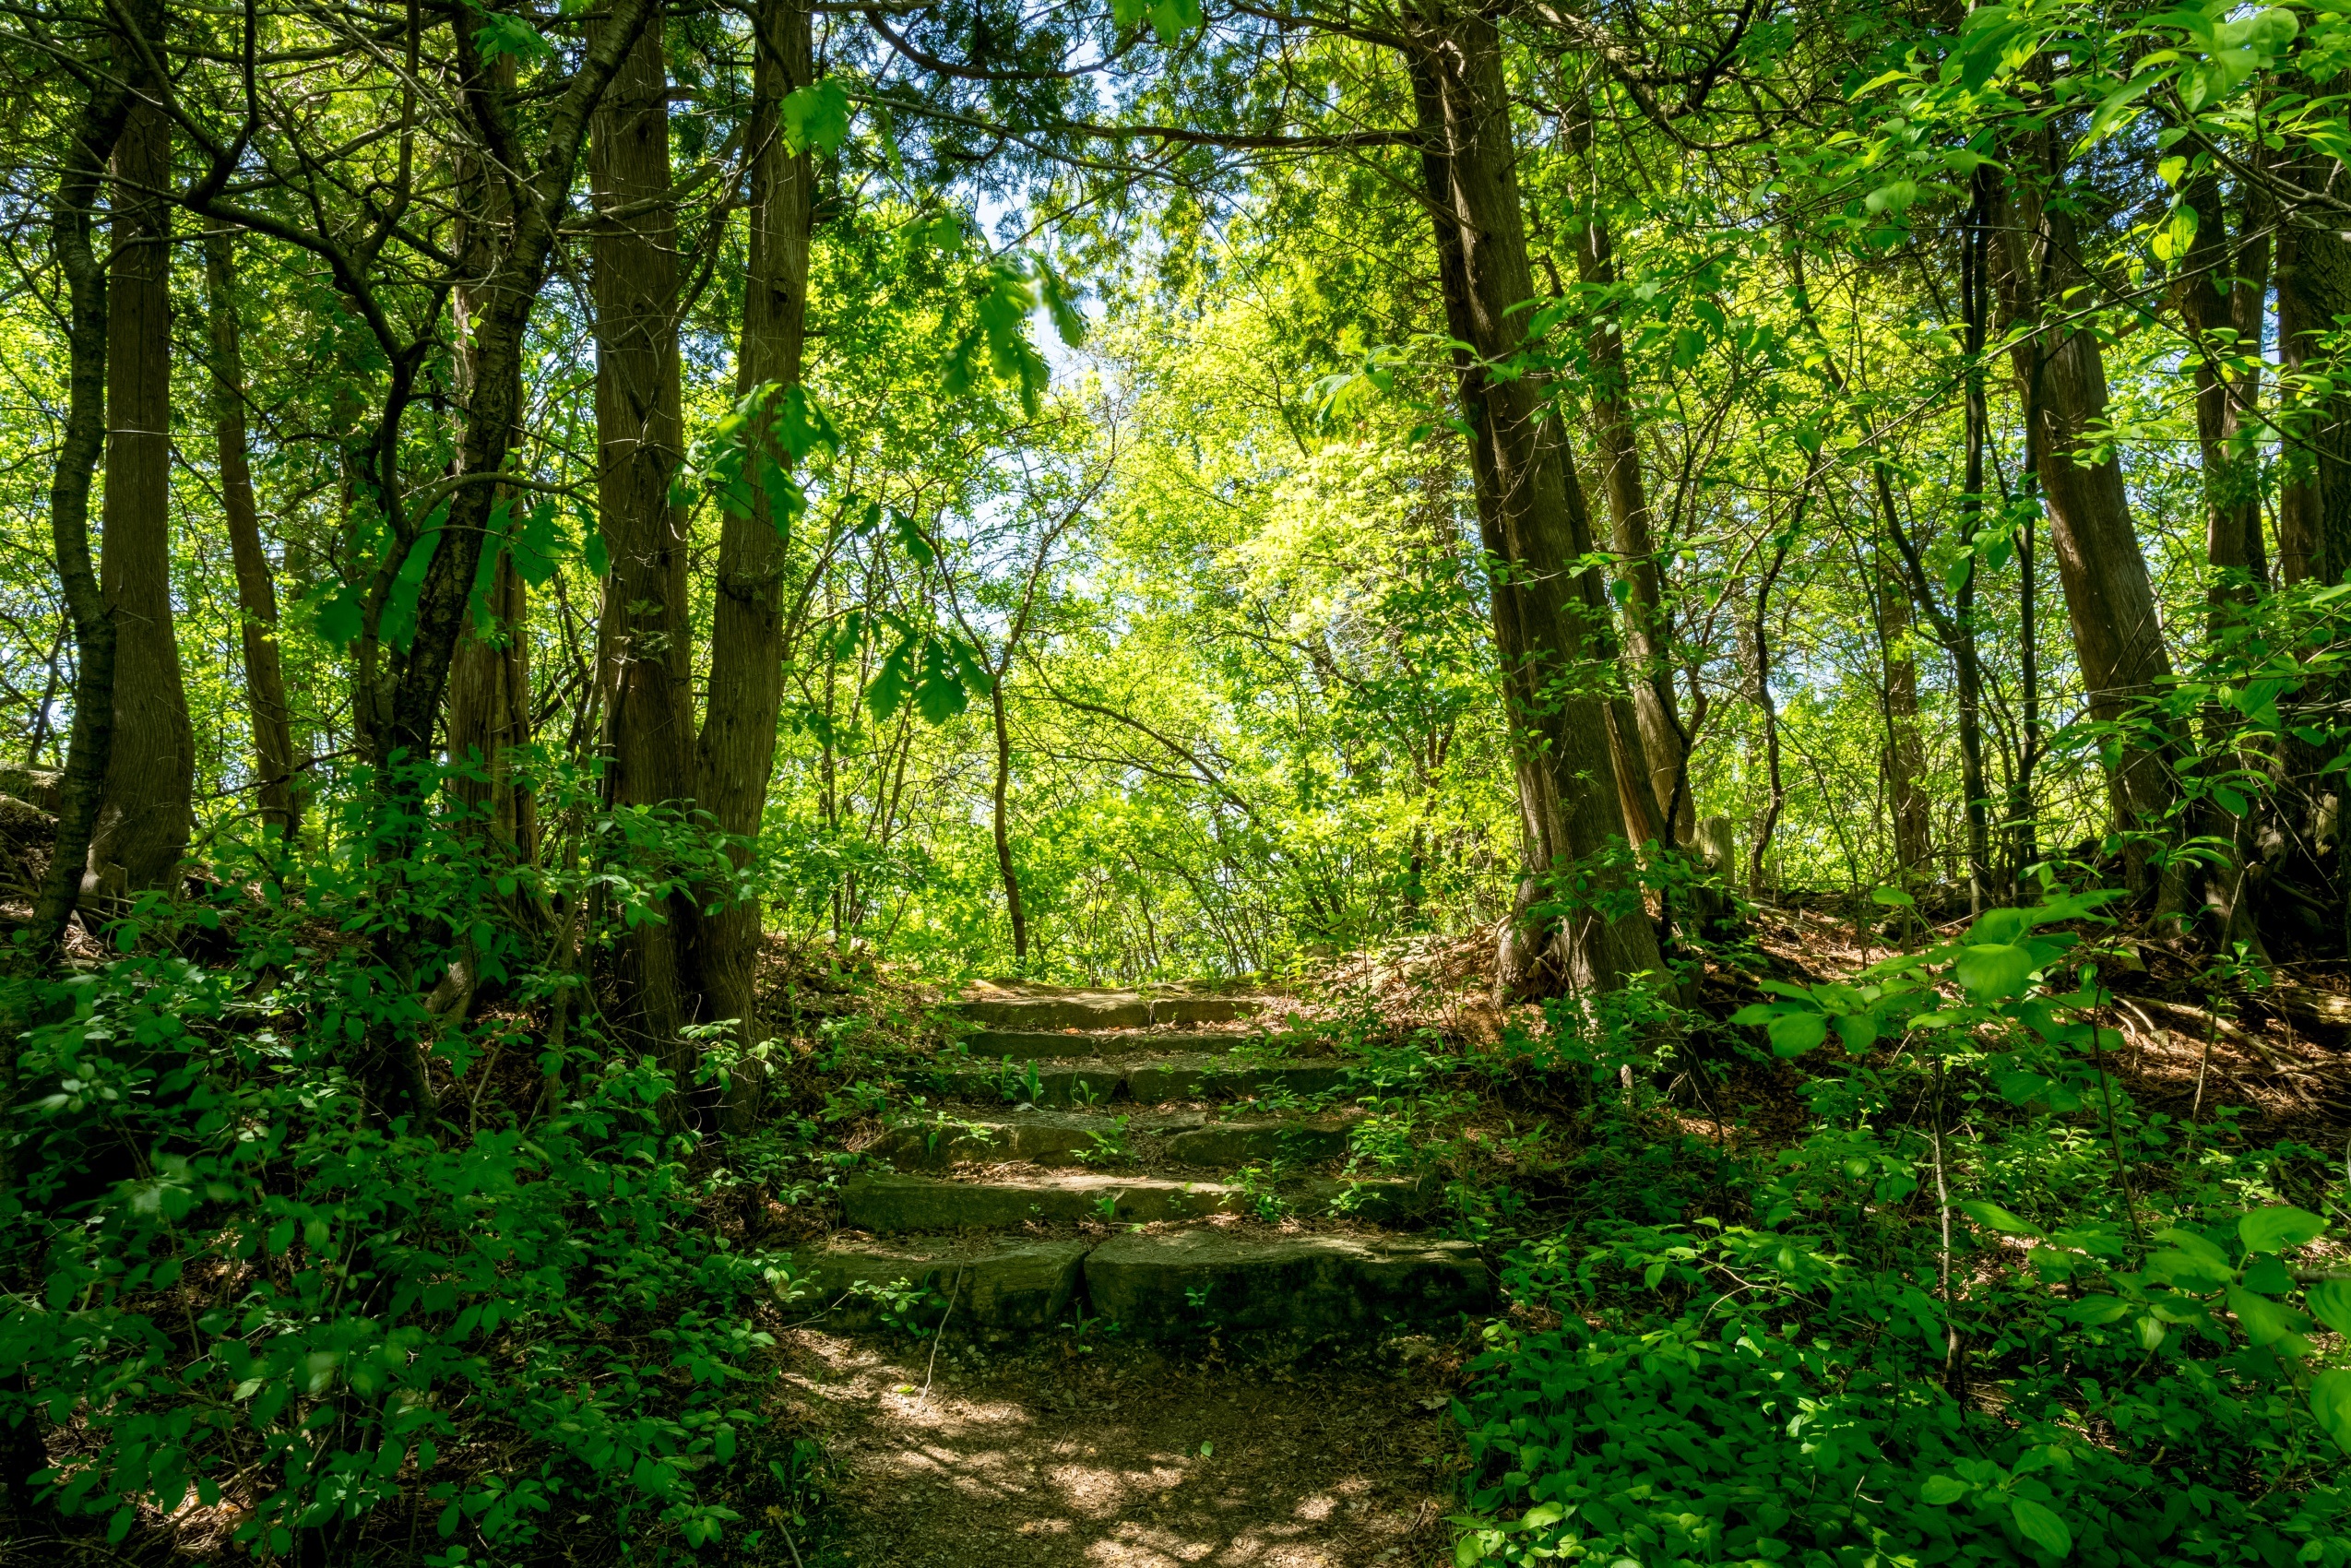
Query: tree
{"x": 142, "y": 828}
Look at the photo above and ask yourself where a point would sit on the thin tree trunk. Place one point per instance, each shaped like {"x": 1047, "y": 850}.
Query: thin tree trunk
{"x": 2221, "y": 301}
{"x": 1759, "y": 644}
{"x": 276, "y": 768}
{"x": 1004, "y": 869}
{"x": 1905, "y": 751}
{"x": 1549, "y": 625}
{"x": 736, "y": 751}
{"x": 645, "y": 636}
{"x": 150, "y": 780}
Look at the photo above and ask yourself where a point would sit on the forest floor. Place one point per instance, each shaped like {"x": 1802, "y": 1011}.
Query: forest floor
{"x": 1060, "y": 1454}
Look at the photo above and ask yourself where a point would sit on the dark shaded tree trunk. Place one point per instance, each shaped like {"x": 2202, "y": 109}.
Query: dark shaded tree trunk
{"x": 644, "y": 640}
{"x": 735, "y": 754}
{"x": 1905, "y": 753}
{"x": 1014, "y": 910}
{"x": 277, "y": 773}
{"x": 2110, "y": 598}
{"x": 2313, "y": 289}
{"x": 150, "y": 778}
{"x": 1550, "y": 624}
{"x": 490, "y": 673}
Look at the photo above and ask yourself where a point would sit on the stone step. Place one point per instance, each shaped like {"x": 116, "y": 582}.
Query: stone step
{"x": 1026, "y": 1045}
{"x": 1100, "y": 1009}
{"x": 1070, "y": 1137}
{"x": 1152, "y": 1286}
{"x": 1196, "y": 1281}
{"x": 1150, "y": 1082}
{"x": 1001, "y": 1282}
{"x": 888, "y": 1203}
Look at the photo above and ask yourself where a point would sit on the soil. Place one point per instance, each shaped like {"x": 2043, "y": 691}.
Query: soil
{"x": 1048, "y": 1454}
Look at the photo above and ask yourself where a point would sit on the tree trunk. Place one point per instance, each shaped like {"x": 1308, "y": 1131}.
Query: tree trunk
{"x": 490, "y": 673}
{"x": 1004, "y": 868}
{"x": 275, "y": 771}
{"x": 2313, "y": 289}
{"x": 1549, "y": 625}
{"x": 2109, "y": 597}
{"x": 644, "y": 641}
{"x": 1646, "y": 621}
{"x": 1905, "y": 751}
{"x": 736, "y": 752}
{"x": 150, "y": 780}
{"x": 2221, "y": 301}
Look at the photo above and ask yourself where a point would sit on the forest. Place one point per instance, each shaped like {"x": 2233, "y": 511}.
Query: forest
{"x": 1703, "y": 646}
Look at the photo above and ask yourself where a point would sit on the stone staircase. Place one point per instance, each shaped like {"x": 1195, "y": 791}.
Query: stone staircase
{"x": 1154, "y": 1159}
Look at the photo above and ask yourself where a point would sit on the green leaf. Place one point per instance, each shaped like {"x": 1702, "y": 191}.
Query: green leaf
{"x": 1173, "y": 18}
{"x": 1943, "y": 1490}
{"x": 2273, "y": 1229}
{"x": 1995, "y": 1216}
{"x": 2331, "y": 1403}
{"x": 817, "y": 116}
{"x": 2041, "y": 1527}
{"x": 2330, "y": 1302}
{"x": 1993, "y": 972}
{"x": 1755, "y": 1013}
{"x": 2263, "y": 1320}
{"x": 1793, "y": 1034}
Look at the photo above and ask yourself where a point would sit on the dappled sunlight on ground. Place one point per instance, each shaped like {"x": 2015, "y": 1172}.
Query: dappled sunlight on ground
{"x": 1041, "y": 1455}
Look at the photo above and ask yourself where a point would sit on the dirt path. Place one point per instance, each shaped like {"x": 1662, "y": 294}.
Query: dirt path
{"x": 1038, "y": 1455}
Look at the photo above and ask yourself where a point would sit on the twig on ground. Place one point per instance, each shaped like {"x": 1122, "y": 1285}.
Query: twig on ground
{"x": 953, "y": 1291}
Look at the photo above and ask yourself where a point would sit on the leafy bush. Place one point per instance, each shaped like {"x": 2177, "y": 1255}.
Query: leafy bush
{"x": 232, "y": 1281}
{"x": 1983, "y": 1310}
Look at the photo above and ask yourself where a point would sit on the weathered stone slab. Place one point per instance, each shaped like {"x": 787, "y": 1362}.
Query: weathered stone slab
{"x": 1072, "y": 1010}
{"x": 1039, "y": 1138}
{"x": 1056, "y": 1084}
{"x": 896, "y": 1205}
{"x": 1226, "y": 1145}
{"x": 1026, "y": 1045}
{"x": 1210, "y": 1077}
{"x": 1194, "y": 1281}
{"x": 1203, "y": 1009}
{"x": 1006, "y": 1284}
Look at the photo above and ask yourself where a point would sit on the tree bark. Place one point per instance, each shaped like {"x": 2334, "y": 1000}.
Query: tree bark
{"x": 2221, "y": 302}
{"x": 735, "y": 754}
{"x": 490, "y": 673}
{"x": 1905, "y": 751}
{"x": 275, "y": 770}
{"x": 1549, "y": 623}
{"x": 2108, "y": 595}
{"x": 1014, "y": 910}
{"x": 644, "y": 639}
{"x": 1646, "y": 630}
{"x": 150, "y": 779}
{"x": 2313, "y": 289}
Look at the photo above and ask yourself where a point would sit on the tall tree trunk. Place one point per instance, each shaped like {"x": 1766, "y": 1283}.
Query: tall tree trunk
{"x": 1645, "y": 620}
{"x": 1549, "y": 624}
{"x": 2221, "y": 301}
{"x": 2313, "y": 290}
{"x": 1014, "y": 910}
{"x": 643, "y": 642}
{"x": 2110, "y": 598}
{"x": 150, "y": 780}
{"x": 1906, "y": 753}
{"x": 490, "y": 673}
{"x": 275, "y": 771}
{"x": 736, "y": 751}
